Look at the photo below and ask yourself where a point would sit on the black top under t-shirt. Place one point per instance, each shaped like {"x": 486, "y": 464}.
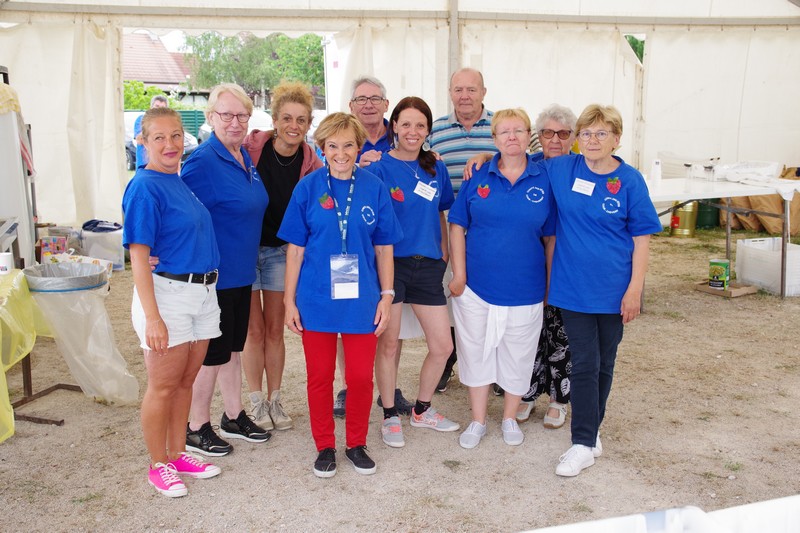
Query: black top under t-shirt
{"x": 280, "y": 176}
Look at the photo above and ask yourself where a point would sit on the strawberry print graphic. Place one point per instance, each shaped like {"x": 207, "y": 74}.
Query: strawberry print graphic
{"x": 397, "y": 194}
{"x": 613, "y": 185}
{"x": 483, "y": 191}
{"x": 326, "y": 201}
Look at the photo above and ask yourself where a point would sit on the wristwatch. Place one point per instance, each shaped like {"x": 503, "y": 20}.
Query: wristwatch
{"x": 388, "y": 291}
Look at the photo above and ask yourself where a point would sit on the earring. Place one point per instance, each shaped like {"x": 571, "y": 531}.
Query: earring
{"x": 426, "y": 145}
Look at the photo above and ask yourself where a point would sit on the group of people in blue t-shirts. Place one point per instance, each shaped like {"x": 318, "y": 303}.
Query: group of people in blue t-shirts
{"x": 548, "y": 253}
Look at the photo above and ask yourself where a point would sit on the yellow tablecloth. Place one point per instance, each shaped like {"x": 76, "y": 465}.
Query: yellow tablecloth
{"x": 19, "y": 322}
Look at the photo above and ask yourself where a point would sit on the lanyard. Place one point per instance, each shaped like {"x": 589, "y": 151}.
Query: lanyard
{"x": 348, "y": 203}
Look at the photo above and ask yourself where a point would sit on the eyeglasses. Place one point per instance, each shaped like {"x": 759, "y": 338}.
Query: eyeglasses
{"x": 601, "y": 135}
{"x": 362, "y": 100}
{"x": 227, "y": 117}
{"x": 562, "y": 134}
{"x": 517, "y": 133}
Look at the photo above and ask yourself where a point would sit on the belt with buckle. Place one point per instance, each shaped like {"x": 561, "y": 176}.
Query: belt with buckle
{"x": 418, "y": 257}
{"x": 204, "y": 279}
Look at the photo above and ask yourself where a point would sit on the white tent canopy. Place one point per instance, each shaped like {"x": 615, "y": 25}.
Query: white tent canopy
{"x": 720, "y": 77}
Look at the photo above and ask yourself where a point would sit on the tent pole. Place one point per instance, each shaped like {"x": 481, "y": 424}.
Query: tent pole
{"x": 454, "y": 52}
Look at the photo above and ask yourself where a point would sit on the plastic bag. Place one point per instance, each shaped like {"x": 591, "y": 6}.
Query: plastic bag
{"x": 71, "y": 297}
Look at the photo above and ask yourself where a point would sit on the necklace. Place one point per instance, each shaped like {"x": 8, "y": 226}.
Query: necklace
{"x": 414, "y": 171}
{"x": 274, "y": 151}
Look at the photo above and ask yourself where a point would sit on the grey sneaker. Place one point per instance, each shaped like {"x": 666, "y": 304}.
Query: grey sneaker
{"x": 512, "y": 435}
{"x": 392, "y": 431}
{"x": 433, "y": 420}
{"x": 472, "y": 435}
{"x": 276, "y": 413}
{"x": 259, "y": 408}
{"x": 338, "y": 403}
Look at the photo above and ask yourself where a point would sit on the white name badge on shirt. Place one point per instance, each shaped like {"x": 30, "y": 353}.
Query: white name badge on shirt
{"x": 425, "y": 190}
{"x": 344, "y": 276}
{"x": 583, "y": 187}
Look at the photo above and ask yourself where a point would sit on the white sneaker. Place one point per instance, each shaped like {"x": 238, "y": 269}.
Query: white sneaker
{"x": 512, "y": 435}
{"x": 259, "y": 408}
{"x": 597, "y": 451}
{"x": 472, "y": 435}
{"x": 277, "y": 414}
{"x": 575, "y": 460}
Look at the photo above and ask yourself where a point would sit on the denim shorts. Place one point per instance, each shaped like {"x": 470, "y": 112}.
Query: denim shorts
{"x": 189, "y": 310}
{"x": 270, "y": 268}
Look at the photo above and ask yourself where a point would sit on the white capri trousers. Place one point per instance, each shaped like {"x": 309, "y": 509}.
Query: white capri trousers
{"x": 496, "y": 344}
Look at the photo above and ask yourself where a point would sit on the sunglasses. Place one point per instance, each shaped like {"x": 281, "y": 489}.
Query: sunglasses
{"x": 562, "y": 134}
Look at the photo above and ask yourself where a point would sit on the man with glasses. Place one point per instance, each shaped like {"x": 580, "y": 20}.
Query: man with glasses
{"x": 368, "y": 103}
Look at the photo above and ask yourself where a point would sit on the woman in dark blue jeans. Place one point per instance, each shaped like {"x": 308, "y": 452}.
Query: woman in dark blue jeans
{"x": 605, "y": 219}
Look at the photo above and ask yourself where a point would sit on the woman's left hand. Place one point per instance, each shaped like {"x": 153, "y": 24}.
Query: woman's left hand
{"x": 382, "y": 315}
{"x": 631, "y": 305}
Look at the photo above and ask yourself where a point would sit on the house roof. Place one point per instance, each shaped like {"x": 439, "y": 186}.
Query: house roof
{"x": 145, "y": 59}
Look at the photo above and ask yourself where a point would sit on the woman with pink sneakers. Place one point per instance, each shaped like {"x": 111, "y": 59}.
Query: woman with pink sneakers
{"x": 174, "y": 309}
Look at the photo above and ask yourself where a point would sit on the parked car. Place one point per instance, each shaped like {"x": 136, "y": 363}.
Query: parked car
{"x": 189, "y": 141}
{"x": 259, "y": 120}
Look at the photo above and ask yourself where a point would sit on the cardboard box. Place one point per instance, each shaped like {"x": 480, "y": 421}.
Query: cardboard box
{"x": 734, "y": 289}
{"x": 758, "y": 262}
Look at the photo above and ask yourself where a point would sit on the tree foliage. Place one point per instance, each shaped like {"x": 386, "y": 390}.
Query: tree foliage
{"x": 255, "y": 64}
{"x": 637, "y": 45}
{"x": 137, "y": 95}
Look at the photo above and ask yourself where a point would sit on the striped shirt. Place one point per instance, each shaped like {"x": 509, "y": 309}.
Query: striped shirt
{"x": 456, "y": 145}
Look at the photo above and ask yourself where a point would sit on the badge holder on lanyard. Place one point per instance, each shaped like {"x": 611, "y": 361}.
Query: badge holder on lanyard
{"x": 344, "y": 266}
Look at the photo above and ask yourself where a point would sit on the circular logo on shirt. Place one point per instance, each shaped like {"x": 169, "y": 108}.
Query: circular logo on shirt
{"x": 434, "y": 185}
{"x": 611, "y": 205}
{"x": 535, "y": 195}
{"x": 368, "y": 215}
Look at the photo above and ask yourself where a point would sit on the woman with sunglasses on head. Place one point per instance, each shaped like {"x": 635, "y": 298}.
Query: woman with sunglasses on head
{"x": 174, "y": 309}
{"x": 224, "y": 178}
{"x": 605, "y": 219}
{"x": 282, "y": 157}
{"x": 556, "y": 128}
{"x": 421, "y": 192}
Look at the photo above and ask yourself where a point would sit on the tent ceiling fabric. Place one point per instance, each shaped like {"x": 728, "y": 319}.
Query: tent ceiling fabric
{"x": 717, "y": 73}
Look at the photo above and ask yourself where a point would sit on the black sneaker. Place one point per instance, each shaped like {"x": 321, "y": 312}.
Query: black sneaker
{"x": 497, "y": 390}
{"x": 338, "y": 404}
{"x": 403, "y": 406}
{"x": 361, "y": 461}
{"x": 243, "y": 428}
{"x": 206, "y": 442}
{"x": 325, "y": 465}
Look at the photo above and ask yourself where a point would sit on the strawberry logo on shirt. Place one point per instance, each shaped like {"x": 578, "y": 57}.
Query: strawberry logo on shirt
{"x": 613, "y": 185}
{"x": 483, "y": 191}
{"x": 397, "y": 194}
{"x": 326, "y": 201}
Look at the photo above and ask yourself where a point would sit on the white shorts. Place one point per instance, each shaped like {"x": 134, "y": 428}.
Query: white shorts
{"x": 189, "y": 310}
{"x": 496, "y": 344}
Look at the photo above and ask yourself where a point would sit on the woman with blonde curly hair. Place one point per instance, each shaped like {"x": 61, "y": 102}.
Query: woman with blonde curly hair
{"x": 282, "y": 157}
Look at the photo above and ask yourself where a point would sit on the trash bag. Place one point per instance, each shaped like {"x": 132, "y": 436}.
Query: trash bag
{"x": 71, "y": 298}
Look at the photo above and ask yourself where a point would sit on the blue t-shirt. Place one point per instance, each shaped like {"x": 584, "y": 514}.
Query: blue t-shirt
{"x": 594, "y": 235}
{"x": 162, "y": 212}
{"x": 505, "y": 224}
{"x": 419, "y": 217}
{"x": 311, "y": 222}
{"x": 236, "y": 199}
{"x": 382, "y": 145}
{"x": 141, "y": 153}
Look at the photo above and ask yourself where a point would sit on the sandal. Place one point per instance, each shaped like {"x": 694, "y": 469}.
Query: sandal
{"x": 524, "y": 411}
{"x": 555, "y": 422}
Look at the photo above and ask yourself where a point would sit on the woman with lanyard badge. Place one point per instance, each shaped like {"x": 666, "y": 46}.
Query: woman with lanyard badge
{"x": 341, "y": 228}
{"x": 421, "y": 191}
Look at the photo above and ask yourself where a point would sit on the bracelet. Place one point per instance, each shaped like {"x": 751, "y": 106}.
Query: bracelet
{"x": 388, "y": 291}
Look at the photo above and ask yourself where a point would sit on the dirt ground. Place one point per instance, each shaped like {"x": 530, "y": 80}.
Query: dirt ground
{"x": 703, "y": 412}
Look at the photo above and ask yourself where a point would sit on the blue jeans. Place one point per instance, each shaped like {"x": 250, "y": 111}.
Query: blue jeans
{"x": 593, "y": 341}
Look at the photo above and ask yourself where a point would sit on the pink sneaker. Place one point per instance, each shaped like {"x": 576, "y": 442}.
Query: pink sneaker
{"x": 190, "y": 465}
{"x": 166, "y": 481}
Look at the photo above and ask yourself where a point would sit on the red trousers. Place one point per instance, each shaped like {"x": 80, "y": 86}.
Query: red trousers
{"x": 359, "y": 365}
